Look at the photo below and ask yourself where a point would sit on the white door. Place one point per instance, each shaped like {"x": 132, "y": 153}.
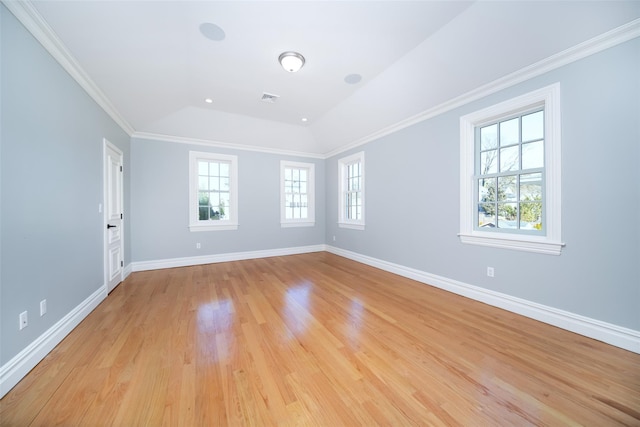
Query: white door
{"x": 113, "y": 238}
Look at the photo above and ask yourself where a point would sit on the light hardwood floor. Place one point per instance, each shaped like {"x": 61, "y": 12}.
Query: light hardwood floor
{"x": 317, "y": 340}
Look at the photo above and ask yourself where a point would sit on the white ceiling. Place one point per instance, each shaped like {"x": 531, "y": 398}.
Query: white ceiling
{"x": 151, "y": 61}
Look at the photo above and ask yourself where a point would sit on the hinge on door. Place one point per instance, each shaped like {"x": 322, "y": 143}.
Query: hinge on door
{"x": 121, "y": 263}
{"x": 120, "y": 168}
{"x": 120, "y": 216}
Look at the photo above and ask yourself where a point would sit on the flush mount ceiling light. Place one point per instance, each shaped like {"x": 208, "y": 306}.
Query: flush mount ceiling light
{"x": 291, "y": 61}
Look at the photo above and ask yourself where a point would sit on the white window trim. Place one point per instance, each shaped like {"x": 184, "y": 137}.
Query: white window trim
{"x": 344, "y": 222}
{"x": 310, "y": 221}
{"x": 194, "y": 223}
{"x": 550, "y": 243}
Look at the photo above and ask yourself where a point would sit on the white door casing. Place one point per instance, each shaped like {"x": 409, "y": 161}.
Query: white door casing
{"x": 113, "y": 232}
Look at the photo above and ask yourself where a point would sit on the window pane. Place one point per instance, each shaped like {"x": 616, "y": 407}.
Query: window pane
{"x": 214, "y": 169}
{"x": 487, "y": 215}
{"x": 223, "y": 169}
{"x": 303, "y": 175}
{"x": 214, "y": 199}
{"x": 531, "y": 187}
{"x": 223, "y": 206}
{"x": 507, "y": 214}
{"x": 303, "y": 187}
{"x": 489, "y": 137}
{"x": 533, "y": 126}
{"x": 489, "y": 162}
{"x": 224, "y": 184}
{"x": 509, "y": 159}
{"x": 351, "y": 186}
{"x": 287, "y": 174}
{"x": 507, "y": 190}
{"x": 531, "y": 216}
{"x": 214, "y": 184}
{"x": 203, "y": 183}
{"x": 487, "y": 189}
{"x": 203, "y": 213}
{"x": 533, "y": 155}
{"x": 203, "y": 168}
{"x": 509, "y": 132}
{"x": 304, "y": 212}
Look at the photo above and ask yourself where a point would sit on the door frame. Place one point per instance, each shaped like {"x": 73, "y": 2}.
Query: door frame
{"x": 105, "y": 220}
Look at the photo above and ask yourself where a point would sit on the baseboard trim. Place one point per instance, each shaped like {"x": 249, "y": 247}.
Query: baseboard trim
{"x": 126, "y": 271}
{"x": 20, "y": 365}
{"x": 618, "y": 336}
{"x": 212, "y": 259}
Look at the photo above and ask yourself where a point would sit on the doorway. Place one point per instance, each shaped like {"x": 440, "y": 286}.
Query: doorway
{"x": 113, "y": 218}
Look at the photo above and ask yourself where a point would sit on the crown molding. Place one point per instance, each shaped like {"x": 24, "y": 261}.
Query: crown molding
{"x": 31, "y": 19}
{"x": 220, "y": 144}
{"x": 594, "y": 45}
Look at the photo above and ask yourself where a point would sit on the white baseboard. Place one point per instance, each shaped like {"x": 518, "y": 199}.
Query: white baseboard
{"x": 126, "y": 271}
{"x": 618, "y": 336}
{"x": 20, "y": 365}
{"x": 211, "y": 259}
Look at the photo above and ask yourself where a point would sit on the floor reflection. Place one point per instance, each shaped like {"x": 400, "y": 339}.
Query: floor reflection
{"x": 296, "y": 313}
{"x": 354, "y": 321}
{"x": 215, "y": 337}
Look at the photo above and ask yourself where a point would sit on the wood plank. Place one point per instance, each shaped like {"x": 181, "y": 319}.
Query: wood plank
{"x": 316, "y": 339}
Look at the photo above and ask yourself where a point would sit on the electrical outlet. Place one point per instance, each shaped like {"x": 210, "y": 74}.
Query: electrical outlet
{"x": 43, "y": 307}
{"x": 197, "y": 245}
{"x": 23, "y": 320}
{"x": 490, "y": 271}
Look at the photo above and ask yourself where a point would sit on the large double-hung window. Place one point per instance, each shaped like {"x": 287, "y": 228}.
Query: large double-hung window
{"x": 351, "y": 191}
{"x": 510, "y": 174}
{"x": 213, "y": 191}
{"x": 297, "y": 194}
{"x": 510, "y": 169}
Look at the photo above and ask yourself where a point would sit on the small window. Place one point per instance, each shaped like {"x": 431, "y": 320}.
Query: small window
{"x": 297, "y": 194}
{"x": 351, "y": 191}
{"x": 213, "y": 191}
{"x": 510, "y": 174}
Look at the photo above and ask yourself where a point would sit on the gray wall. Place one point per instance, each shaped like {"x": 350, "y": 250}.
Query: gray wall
{"x": 51, "y": 185}
{"x": 412, "y": 197}
{"x": 160, "y": 204}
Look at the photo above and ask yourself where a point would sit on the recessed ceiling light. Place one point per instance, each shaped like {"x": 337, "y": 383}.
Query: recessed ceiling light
{"x": 304, "y": 119}
{"x": 353, "y": 79}
{"x": 208, "y": 100}
{"x": 212, "y": 31}
{"x": 291, "y": 61}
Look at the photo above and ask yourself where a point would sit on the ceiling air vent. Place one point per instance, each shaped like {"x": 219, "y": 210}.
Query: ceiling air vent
{"x": 269, "y": 97}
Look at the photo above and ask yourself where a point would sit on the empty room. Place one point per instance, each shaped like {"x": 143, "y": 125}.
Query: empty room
{"x": 319, "y": 213}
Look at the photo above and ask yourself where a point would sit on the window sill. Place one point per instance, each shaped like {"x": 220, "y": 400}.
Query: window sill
{"x": 210, "y": 227}
{"x": 351, "y": 225}
{"x": 297, "y": 224}
{"x": 515, "y": 243}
